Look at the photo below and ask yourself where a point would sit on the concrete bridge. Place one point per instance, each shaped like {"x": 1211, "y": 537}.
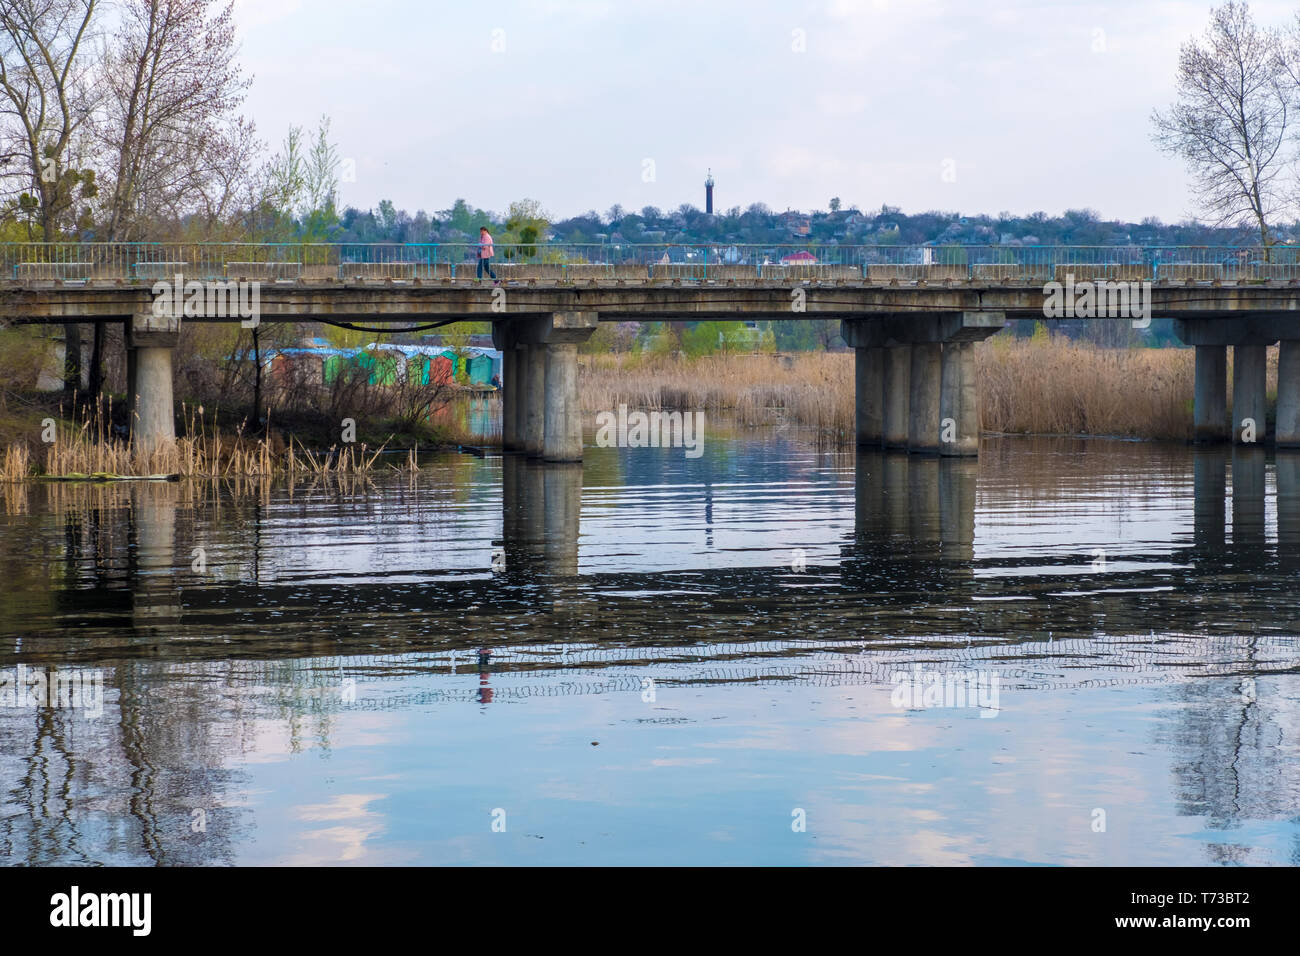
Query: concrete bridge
{"x": 911, "y": 320}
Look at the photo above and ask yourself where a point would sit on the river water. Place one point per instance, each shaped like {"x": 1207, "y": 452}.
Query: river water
{"x": 1070, "y": 652}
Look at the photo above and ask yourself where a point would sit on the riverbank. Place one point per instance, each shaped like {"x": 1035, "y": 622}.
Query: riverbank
{"x": 1044, "y": 386}
{"x": 42, "y": 441}
{"x": 1041, "y": 386}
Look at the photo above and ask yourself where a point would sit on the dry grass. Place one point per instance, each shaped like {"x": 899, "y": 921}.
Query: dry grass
{"x": 814, "y": 389}
{"x": 89, "y": 451}
{"x": 1053, "y": 386}
{"x": 1039, "y": 386}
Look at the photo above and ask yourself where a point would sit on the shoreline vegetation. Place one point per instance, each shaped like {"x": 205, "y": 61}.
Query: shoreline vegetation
{"x": 90, "y": 450}
{"x": 1043, "y": 385}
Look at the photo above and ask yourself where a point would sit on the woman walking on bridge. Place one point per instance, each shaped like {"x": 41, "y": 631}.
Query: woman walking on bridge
{"x": 485, "y": 254}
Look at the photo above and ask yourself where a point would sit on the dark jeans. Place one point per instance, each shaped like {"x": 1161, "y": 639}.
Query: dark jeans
{"x": 486, "y": 264}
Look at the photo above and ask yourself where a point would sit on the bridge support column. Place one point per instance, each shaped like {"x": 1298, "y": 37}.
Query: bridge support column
{"x": 512, "y": 385}
{"x": 1287, "y": 431}
{"x": 1210, "y": 407}
{"x": 959, "y": 425}
{"x": 1249, "y": 393}
{"x": 926, "y": 380}
{"x": 562, "y": 440}
{"x": 532, "y": 398}
{"x": 150, "y": 341}
{"x": 509, "y": 399}
{"x": 928, "y": 384}
{"x": 897, "y": 386}
{"x": 552, "y": 415}
{"x": 869, "y": 396}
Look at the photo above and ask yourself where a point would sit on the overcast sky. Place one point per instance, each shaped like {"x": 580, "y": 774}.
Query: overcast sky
{"x": 1023, "y": 104}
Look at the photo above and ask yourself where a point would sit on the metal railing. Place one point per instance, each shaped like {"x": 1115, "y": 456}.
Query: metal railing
{"x": 149, "y": 262}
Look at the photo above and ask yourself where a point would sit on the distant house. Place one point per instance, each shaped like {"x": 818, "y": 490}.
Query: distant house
{"x": 800, "y": 258}
{"x": 797, "y": 225}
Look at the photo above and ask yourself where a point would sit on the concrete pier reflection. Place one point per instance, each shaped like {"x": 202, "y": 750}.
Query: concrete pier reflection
{"x": 1249, "y": 535}
{"x": 156, "y": 600}
{"x": 541, "y": 512}
{"x": 1288, "y": 509}
{"x": 1209, "y": 492}
{"x": 914, "y": 522}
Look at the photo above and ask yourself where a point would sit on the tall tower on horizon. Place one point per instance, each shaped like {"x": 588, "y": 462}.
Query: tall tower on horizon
{"x": 708, "y": 194}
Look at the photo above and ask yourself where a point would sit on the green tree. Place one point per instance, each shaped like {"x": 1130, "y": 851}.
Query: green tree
{"x": 526, "y": 222}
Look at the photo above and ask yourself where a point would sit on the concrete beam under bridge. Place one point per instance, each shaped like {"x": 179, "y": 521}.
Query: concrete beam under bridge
{"x": 915, "y": 380}
{"x": 1240, "y": 330}
{"x": 891, "y": 331}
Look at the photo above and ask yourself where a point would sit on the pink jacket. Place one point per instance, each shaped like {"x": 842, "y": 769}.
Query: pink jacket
{"x": 485, "y": 246}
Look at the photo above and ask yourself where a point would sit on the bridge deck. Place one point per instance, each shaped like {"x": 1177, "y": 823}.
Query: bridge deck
{"x": 398, "y": 301}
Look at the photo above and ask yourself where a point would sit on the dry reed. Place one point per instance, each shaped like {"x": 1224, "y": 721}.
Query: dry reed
{"x": 1057, "y": 387}
{"x": 1031, "y": 386}
{"x": 90, "y": 451}
{"x": 814, "y": 389}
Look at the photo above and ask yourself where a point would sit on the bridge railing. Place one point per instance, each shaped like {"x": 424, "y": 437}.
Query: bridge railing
{"x": 148, "y": 262}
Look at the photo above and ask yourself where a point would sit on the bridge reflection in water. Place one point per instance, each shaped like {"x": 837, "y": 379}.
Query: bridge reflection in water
{"x": 912, "y": 561}
{"x": 194, "y": 661}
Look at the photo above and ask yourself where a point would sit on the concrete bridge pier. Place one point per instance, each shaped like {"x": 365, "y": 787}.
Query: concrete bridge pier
{"x": 150, "y": 340}
{"x": 532, "y": 398}
{"x": 897, "y": 381}
{"x": 959, "y": 413}
{"x": 1287, "y": 430}
{"x": 1210, "y": 405}
{"x": 1249, "y": 394}
{"x": 1250, "y": 336}
{"x": 552, "y": 416}
{"x": 869, "y": 396}
{"x": 515, "y": 362}
{"x": 510, "y": 429}
{"x": 923, "y": 409}
{"x": 562, "y": 438}
{"x": 928, "y": 378}
{"x": 512, "y": 361}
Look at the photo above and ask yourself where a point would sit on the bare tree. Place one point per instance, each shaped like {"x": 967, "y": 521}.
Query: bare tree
{"x": 1289, "y": 63}
{"x": 1230, "y": 120}
{"x": 44, "y": 103}
{"x": 168, "y": 131}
